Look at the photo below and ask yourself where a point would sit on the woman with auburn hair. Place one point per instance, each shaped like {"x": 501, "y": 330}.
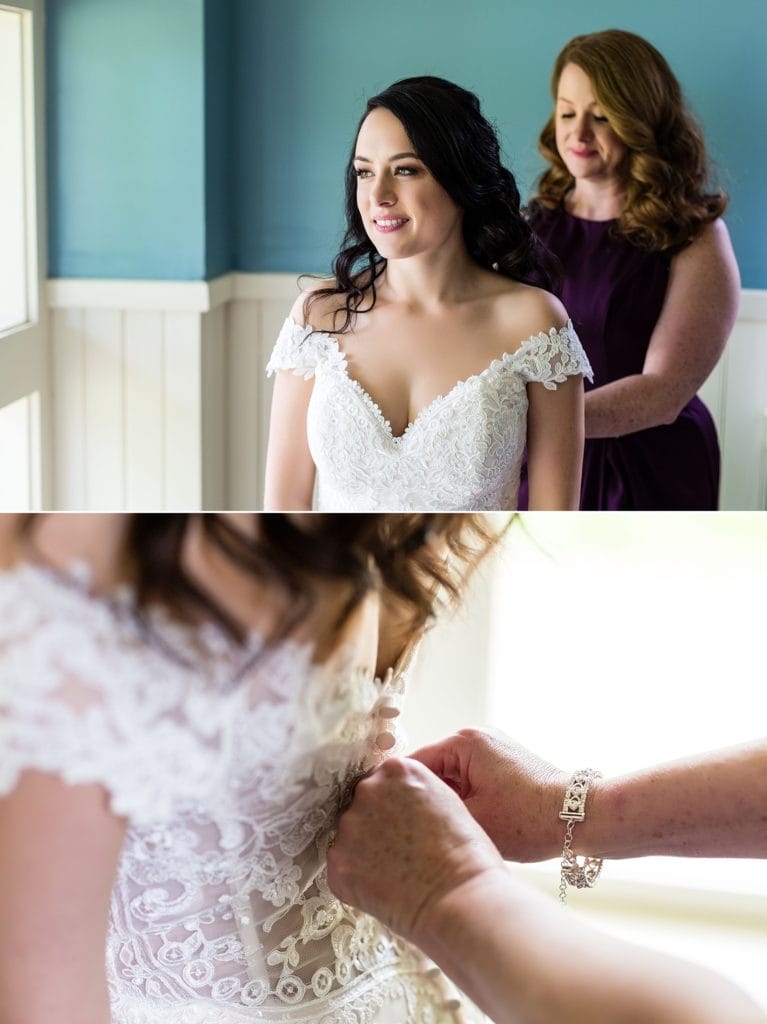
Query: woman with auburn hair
{"x": 413, "y": 380}
{"x": 186, "y": 702}
{"x": 650, "y": 278}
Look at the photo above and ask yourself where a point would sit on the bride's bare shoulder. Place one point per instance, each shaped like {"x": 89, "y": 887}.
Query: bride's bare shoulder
{"x": 11, "y": 529}
{"x": 523, "y": 311}
{"x": 95, "y": 538}
{"x": 319, "y": 305}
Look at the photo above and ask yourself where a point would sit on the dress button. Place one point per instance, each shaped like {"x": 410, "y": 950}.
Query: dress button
{"x": 388, "y": 711}
{"x": 385, "y": 740}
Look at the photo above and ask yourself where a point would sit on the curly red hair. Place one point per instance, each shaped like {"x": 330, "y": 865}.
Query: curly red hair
{"x": 666, "y": 170}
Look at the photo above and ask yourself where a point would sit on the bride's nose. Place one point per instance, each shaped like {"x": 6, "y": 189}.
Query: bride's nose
{"x": 383, "y": 191}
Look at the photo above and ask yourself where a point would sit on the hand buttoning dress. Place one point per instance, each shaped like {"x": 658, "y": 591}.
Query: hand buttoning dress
{"x": 230, "y": 766}
{"x": 463, "y": 452}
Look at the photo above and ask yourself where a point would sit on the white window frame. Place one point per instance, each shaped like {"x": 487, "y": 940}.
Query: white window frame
{"x": 24, "y": 358}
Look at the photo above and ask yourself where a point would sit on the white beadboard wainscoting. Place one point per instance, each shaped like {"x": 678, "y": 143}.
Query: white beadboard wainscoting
{"x": 160, "y": 399}
{"x": 139, "y": 393}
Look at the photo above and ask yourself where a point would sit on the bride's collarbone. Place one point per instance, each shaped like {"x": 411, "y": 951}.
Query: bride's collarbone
{"x": 403, "y": 362}
{"x": 403, "y": 389}
{"x": 461, "y": 340}
{"x": 422, "y": 361}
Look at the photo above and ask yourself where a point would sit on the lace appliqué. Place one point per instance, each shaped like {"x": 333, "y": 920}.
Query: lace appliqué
{"x": 464, "y": 450}
{"x": 550, "y": 359}
{"x": 221, "y": 912}
{"x": 302, "y": 349}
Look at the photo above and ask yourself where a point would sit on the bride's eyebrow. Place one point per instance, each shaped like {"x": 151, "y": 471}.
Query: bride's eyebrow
{"x": 397, "y": 156}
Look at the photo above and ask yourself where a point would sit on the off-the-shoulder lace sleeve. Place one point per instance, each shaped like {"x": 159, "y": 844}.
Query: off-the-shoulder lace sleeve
{"x": 82, "y": 698}
{"x": 301, "y": 350}
{"x": 550, "y": 359}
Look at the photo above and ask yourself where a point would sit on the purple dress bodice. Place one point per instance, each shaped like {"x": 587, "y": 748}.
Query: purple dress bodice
{"x": 614, "y": 293}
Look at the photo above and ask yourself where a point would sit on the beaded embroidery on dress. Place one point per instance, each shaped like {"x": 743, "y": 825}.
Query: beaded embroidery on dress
{"x": 463, "y": 452}
{"x": 231, "y": 766}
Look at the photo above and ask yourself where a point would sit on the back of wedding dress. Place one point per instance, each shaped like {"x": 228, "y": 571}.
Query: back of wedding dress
{"x": 231, "y": 766}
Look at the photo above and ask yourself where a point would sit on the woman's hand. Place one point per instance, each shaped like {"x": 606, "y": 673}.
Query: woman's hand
{"x": 512, "y": 793}
{"x": 408, "y": 852}
{"x": 406, "y": 842}
{"x": 516, "y": 797}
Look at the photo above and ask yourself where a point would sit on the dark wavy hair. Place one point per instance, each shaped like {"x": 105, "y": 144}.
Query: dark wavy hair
{"x": 461, "y": 150}
{"x": 666, "y": 170}
{"x": 415, "y": 561}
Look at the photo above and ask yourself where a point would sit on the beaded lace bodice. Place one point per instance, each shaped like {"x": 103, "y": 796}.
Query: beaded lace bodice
{"x": 463, "y": 452}
{"x": 230, "y": 765}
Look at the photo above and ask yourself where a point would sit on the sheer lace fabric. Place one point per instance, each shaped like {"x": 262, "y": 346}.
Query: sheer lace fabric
{"x": 231, "y": 766}
{"x": 463, "y": 452}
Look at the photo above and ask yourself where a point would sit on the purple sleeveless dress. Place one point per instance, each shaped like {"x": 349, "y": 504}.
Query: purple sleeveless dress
{"x": 614, "y": 293}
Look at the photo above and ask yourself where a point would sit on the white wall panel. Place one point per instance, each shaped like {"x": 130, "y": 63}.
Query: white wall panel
{"x": 183, "y": 414}
{"x": 213, "y": 399}
{"x": 163, "y": 403}
{"x": 103, "y": 409}
{"x": 144, "y": 387}
{"x": 248, "y": 400}
{"x": 744, "y": 441}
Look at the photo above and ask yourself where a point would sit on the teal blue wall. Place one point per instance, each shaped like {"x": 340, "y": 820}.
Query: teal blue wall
{"x": 125, "y": 103}
{"x": 219, "y": 138}
{"x": 305, "y": 68}
{"x": 189, "y": 137}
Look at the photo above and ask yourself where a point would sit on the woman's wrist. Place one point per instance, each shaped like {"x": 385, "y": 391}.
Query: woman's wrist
{"x": 444, "y": 922}
{"x": 589, "y": 837}
{"x": 555, "y": 827}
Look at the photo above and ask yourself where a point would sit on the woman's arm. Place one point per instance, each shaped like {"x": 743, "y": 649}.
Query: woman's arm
{"x": 290, "y": 469}
{"x": 408, "y": 852}
{"x": 59, "y": 847}
{"x": 555, "y": 445}
{"x": 710, "y": 805}
{"x": 523, "y": 961}
{"x": 696, "y": 320}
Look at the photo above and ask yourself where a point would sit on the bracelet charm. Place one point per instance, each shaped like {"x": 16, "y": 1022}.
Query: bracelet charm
{"x": 580, "y": 874}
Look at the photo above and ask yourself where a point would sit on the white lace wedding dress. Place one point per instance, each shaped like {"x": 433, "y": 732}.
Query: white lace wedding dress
{"x": 463, "y": 452}
{"x": 230, "y": 766}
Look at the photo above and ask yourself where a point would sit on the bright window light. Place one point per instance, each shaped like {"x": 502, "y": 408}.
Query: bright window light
{"x": 623, "y": 641}
{"x": 19, "y": 446}
{"x": 13, "y": 227}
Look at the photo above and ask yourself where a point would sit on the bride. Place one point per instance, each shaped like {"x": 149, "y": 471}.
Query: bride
{"x": 415, "y": 378}
{"x": 185, "y": 705}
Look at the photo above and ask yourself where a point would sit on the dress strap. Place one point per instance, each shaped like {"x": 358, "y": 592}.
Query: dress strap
{"x": 302, "y": 349}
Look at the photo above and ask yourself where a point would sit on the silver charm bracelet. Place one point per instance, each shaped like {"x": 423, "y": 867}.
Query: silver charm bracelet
{"x": 579, "y": 874}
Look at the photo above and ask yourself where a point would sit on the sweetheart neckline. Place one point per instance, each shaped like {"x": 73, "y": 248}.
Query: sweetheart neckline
{"x": 503, "y": 360}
